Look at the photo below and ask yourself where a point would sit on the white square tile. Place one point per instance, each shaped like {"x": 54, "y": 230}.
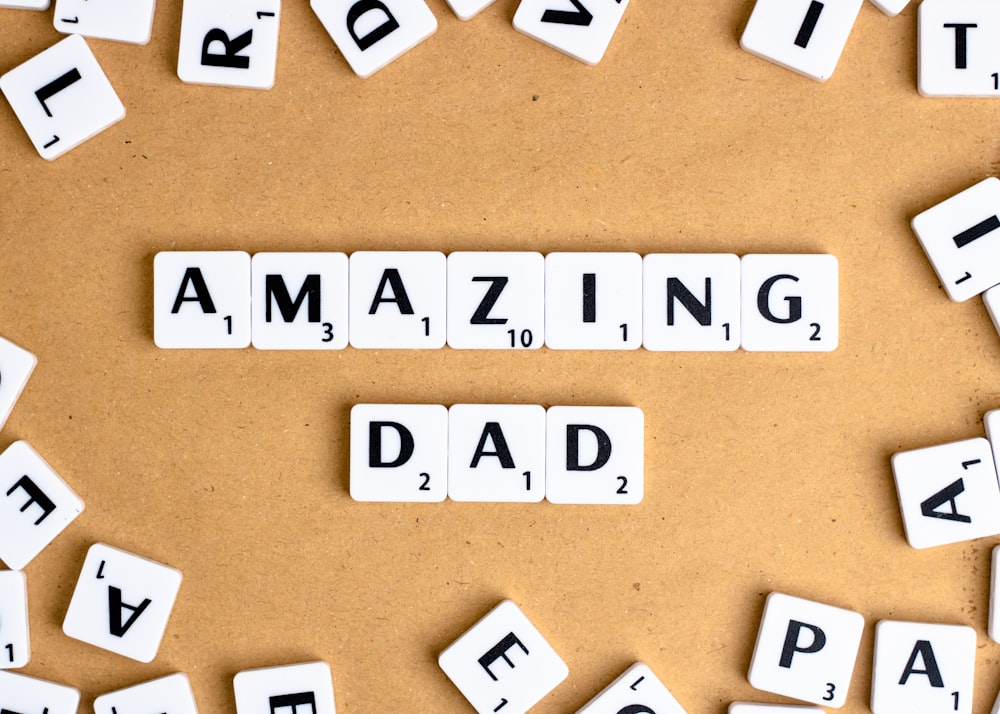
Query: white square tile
{"x": 120, "y": 20}
{"x": 289, "y": 689}
{"x": 231, "y": 43}
{"x": 754, "y": 708}
{"x": 20, "y": 693}
{"x": 15, "y": 645}
{"x": 122, "y": 602}
{"x": 805, "y": 36}
{"x": 580, "y": 28}
{"x": 467, "y": 9}
{"x": 62, "y": 97}
{"x": 922, "y": 667}
{"x": 299, "y": 301}
{"x": 961, "y": 238}
{"x": 993, "y": 626}
{"x": 398, "y": 300}
{"x": 891, "y": 7}
{"x": 16, "y": 366}
{"x": 496, "y": 452}
{"x": 36, "y": 505}
{"x": 806, "y": 650}
{"x": 947, "y": 493}
{"x": 496, "y": 301}
{"x": 637, "y": 690}
{"x": 691, "y": 302}
{"x": 593, "y": 301}
{"x": 503, "y": 663}
{"x": 399, "y": 452}
{"x": 594, "y": 455}
{"x": 372, "y": 33}
{"x": 956, "y": 48}
{"x": 201, "y": 299}
{"x": 790, "y": 303}
{"x": 25, "y": 4}
{"x": 171, "y": 694}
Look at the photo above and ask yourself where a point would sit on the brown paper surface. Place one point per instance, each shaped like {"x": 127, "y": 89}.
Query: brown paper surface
{"x": 764, "y": 471}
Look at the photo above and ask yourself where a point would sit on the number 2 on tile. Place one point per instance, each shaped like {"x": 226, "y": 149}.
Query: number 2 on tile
{"x": 426, "y": 484}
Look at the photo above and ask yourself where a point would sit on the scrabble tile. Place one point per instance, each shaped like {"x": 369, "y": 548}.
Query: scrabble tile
{"x": 991, "y": 299}
{"x": 120, "y": 20}
{"x": 467, "y": 9}
{"x": 580, "y": 28}
{"x": 496, "y": 301}
{"x": 22, "y": 694}
{"x": 399, "y": 452}
{"x": 638, "y": 691}
{"x": 503, "y": 662}
{"x": 961, "y": 238}
{"x": 947, "y": 493}
{"x": 956, "y": 42}
{"x": 891, "y": 7}
{"x": 15, "y": 645}
{"x": 805, "y": 36}
{"x": 62, "y": 97}
{"x": 496, "y": 452}
{"x": 921, "y": 667}
{"x": 398, "y": 300}
{"x": 171, "y": 694}
{"x": 25, "y": 4}
{"x": 691, "y": 302}
{"x": 805, "y": 650}
{"x": 305, "y": 688}
{"x": 593, "y": 301}
{"x": 122, "y": 602}
{"x": 16, "y": 366}
{"x": 594, "y": 455}
{"x": 231, "y": 43}
{"x": 753, "y": 708}
{"x": 993, "y": 627}
{"x": 372, "y": 33}
{"x": 790, "y": 303}
{"x": 299, "y": 301}
{"x": 36, "y": 505}
{"x": 201, "y": 299}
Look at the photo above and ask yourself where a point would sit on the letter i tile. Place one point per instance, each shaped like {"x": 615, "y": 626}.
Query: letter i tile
{"x": 503, "y": 663}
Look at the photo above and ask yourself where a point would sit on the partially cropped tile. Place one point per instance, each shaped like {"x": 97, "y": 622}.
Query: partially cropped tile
{"x": 36, "y": 504}
{"x": 16, "y": 366}
{"x": 15, "y": 644}
{"x": 891, "y": 7}
{"x": 635, "y": 691}
{"x": 305, "y": 688}
{"x": 28, "y": 695}
{"x": 26, "y": 4}
{"x": 467, "y": 9}
{"x": 956, "y": 48}
{"x": 755, "y": 708}
{"x": 171, "y": 694}
{"x": 993, "y": 626}
{"x": 581, "y": 29}
{"x": 119, "y": 20}
{"x": 231, "y": 43}
{"x": 62, "y": 97}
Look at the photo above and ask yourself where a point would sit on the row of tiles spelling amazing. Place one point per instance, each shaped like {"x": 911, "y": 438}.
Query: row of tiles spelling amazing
{"x": 496, "y": 300}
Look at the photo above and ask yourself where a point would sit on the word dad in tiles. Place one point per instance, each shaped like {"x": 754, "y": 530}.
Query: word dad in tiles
{"x": 122, "y": 602}
{"x": 305, "y": 688}
{"x": 495, "y": 300}
{"x": 20, "y": 693}
{"x": 496, "y": 453}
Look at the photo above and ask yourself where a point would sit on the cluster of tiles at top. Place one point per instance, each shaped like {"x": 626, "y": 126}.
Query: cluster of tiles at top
{"x": 496, "y": 300}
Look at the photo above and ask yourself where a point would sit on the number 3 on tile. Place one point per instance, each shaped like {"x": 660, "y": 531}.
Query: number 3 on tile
{"x": 830, "y": 688}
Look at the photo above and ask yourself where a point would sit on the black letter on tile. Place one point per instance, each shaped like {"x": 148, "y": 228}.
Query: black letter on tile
{"x": 301, "y": 699}
{"x": 375, "y": 445}
{"x": 35, "y": 495}
{"x": 948, "y": 494}
{"x": 792, "y": 642}
{"x": 589, "y": 297}
{"x": 573, "y": 447}
{"x": 977, "y": 231}
{"x": 808, "y": 24}
{"x": 391, "y": 278}
{"x": 115, "y": 606}
{"x": 924, "y": 650}
{"x": 498, "y": 651}
{"x": 581, "y": 17}
{"x": 55, "y": 86}
{"x": 493, "y": 432}
{"x": 275, "y": 290}
{"x": 961, "y": 42}
{"x": 794, "y": 303}
{"x": 228, "y": 58}
{"x": 482, "y": 314}
{"x": 676, "y": 290}
{"x": 358, "y": 9}
{"x": 635, "y": 709}
{"x": 193, "y": 277}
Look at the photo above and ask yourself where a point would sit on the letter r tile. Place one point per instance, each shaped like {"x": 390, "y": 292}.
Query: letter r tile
{"x": 503, "y": 663}
{"x": 232, "y": 43}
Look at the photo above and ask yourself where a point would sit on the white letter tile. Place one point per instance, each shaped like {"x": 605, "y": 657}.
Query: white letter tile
{"x": 171, "y": 694}
{"x": 16, "y": 366}
{"x": 231, "y": 43}
{"x": 991, "y": 299}
{"x": 637, "y": 690}
{"x": 289, "y": 689}
{"x": 20, "y": 693}
{"x": 119, "y": 20}
{"x": 580, "y": 28}
{"x": 754, "y": 708}
{"x": 503, "y": 663}
{"x": 15, "y": 648}
{"x": 891, "y": 7}
{"x": 993, "y": 628}
{"x": 956, "y": 48}
{"x": 467, "y": 9}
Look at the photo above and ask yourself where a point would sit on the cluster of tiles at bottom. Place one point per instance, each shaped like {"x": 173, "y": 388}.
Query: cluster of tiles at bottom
{"x": 497, "y": 453}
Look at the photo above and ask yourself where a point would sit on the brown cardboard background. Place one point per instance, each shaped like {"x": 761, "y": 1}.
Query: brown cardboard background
{"x": 764, "y": 471}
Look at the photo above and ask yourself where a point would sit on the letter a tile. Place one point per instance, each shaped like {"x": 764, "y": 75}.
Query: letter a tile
{"x": 638, "y": 691}
{"x": 806, "y": 650}
{"x": 171, "y": 695}
{"x": 288, "y": 689}
{"x": 580, "y": 28}
{"x": 62, "y": 97}
{"x": 21, "y": 694}
{"x": 122, "y": 602}
{"x": 503, "y": 664}
{"x": 231, "y": 43}
{"x": 15, "y": 650}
